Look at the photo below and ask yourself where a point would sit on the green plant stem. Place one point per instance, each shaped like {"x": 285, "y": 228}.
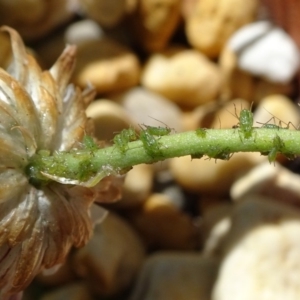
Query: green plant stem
{"x": 82, "y": 164}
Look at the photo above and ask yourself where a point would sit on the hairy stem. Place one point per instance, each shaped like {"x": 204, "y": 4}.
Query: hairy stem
{"x": 218, "y": 144}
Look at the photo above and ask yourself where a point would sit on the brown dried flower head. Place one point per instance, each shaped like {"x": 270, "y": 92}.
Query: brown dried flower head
{"x": 38, "y": 110}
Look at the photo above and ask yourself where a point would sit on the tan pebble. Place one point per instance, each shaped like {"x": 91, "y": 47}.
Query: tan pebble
{"x": 210, "y": 176}
{"x": 146, "y": 107}
{"x": 201, "y": 116}
{"x": 35, "y": 18}
{"x": 154, "y": 21}
{"x": 83, "y": 31}
{"x": 169, "y": 276}
{"x": 215, "y": 225}
{"x": 107, "y": 13}
{"x": 236, "y": 83}
{"x": 137, "y": 186}
{"x": 186, "y": 77}
{"x": 187, "y": 7}
{"x": 264, "y": 88}
{"x": 74, "y": 291}
{"x": 278, "y": 110}
{"x": 213, "y": 21}
{"x": 273, "y": 181}
{"x": 107, "y": 65}
{"x": 111, "y": 259}
{"x": 163, "y": 225}
{"x": 261, "y": 253}
{"x": 109, "y": 118}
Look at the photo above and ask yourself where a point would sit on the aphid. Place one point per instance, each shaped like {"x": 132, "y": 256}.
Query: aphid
{"x": 245, "y": 124}
{"x": 150, "y": 143}
{"x": 201, "y": 132}
{"x": 270, "y": 126}
{"x": 122, "y": 139}
{"x": 197, "y": 155}
{"x": 274, "y": 125}
{"x": 278, "y": 146}
{"x": 219, "y": 154}
{"x": 157, "y": 131}
{"x": 89, "y": 143}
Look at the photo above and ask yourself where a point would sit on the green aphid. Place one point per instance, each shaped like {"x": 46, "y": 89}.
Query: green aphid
{"x": 197, "y": 155}
{"x": 89, "y": 143}
{"x": 201, "y": 132}
{"x": 219, "y": 154}
{"x": 271, "y": 126}
{"x": 122, "y": 139}
{"x": 157, "y": 131}
{"x": 150, "y": 143}
{"x": 278, "y": 147}
{"x": 246, "y": 123}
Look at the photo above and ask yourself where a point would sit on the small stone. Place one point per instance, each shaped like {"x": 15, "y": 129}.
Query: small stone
{"x": 74, "y": 291}
{"x": 107, "y": 13}
{"x": 137, "y": 186}
{"x": 241, "y": 84}
{"x": 110, "y": 261}
{"x": 212, "y": 22}
{"x": 186, "y": 77}
{"x": 273, "y": 181}
{"x": 146, "y": 107}
{"x": 109, "y": 118}
{"x": 83, "y": 31}
{"x": 107, "y": 65}
{"x": 154, "y": 21}
{"x": 163, "y": 225}
{"x": 266, "y": 51}
{"x": 261, "y": 253}
{"x": 169, "y": 276}
{"x": 35, "y": 18}
{"x": 210, "y": 176}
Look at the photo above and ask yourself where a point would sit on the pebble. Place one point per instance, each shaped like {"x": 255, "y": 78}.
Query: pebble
{"x": 163, "y": 225}
{"x": 107, "y": 13}
{"x": 186, "y": 77}
{"x": 212, "y": 22}
{"x": 261, "y": 253}
{"x": 154, "y": 22}
{"x": 110, "y": 261}
{"x": 109, "y": 118}
{"x": 266, "y": 51}
{"x": 273, "y": 181}
{"x": 171, "y": 275}
{"x": 241, "y": 84}
{"x": 83, "y": 31}
{"x": 210, "y": 176}
{"x": 35, "y": 18}
{"x": 137, "y": 186}
{"x": 146, "y": 107}
{"x": 107, "y": 65}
